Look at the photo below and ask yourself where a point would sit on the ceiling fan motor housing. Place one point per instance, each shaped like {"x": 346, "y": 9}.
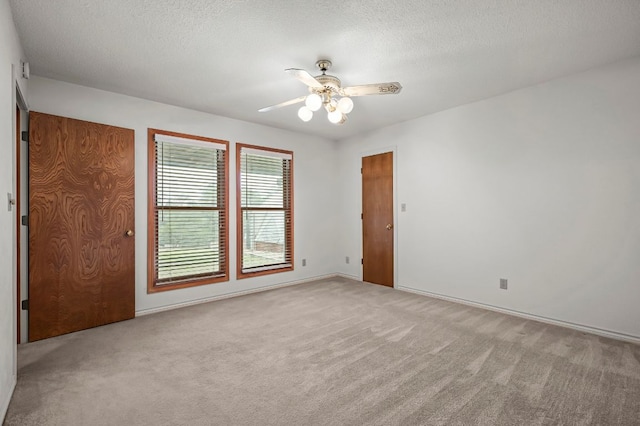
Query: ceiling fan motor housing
{"x": 329, "y": 82}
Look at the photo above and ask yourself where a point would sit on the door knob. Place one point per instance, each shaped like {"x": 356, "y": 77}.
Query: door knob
{"x": 129, "y": 233}
{"x": 389, "y": 227}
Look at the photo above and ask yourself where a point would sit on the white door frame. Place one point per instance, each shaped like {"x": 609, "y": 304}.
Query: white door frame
{"x": 21, "y": 181}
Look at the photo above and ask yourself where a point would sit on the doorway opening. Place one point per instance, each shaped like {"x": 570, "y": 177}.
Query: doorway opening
{"x": 20, "y": 195}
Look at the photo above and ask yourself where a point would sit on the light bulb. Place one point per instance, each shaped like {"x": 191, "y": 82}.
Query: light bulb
{"x": 335, "y": 116}
{"x": 313, "y": 102}
{"x": 345, "y": 105}
{"x": 305, "y": 114}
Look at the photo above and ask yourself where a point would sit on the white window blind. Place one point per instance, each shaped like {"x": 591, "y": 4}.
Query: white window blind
{"x": 266, "y": 224}
{"x": 190, "y": 210}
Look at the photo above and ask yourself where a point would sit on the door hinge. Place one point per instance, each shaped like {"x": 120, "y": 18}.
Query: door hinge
{"x": 25, "y": 305}
{"x": 24, "y": 136}
{"x": 25, "y": 220}
{"x": 362, "y": 261}
{"x": 360, "y": 170}
{"x": 361, "y": 215}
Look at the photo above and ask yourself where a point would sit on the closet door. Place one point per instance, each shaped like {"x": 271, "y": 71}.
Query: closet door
{"x": 81, "y": 219}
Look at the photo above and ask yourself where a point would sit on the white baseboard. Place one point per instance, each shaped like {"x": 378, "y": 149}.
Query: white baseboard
{"x": 579, "y": 327}
{"x": 5, "y": 404}
{"x": 229, "y": 295}
{"x": 347, "y": 276}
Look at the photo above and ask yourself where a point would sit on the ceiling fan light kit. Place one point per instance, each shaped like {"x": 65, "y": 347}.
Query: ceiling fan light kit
{"x": 305, "y": 114}
{"x": 326, "y": 91}
{"x": 313, "y": 102}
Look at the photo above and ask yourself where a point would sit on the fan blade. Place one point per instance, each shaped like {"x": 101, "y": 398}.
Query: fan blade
{"x": 372, "y": 89}
{"x": 304, "y": 77}
{"x": 282, "y": 104}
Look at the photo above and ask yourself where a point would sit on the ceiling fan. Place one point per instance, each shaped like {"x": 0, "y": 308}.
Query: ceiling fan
{"x": 326, "y": 91}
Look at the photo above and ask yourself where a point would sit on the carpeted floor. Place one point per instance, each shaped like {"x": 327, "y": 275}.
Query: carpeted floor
{"x": 332, "y": 352}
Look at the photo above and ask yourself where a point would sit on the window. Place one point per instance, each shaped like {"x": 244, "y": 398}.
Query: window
{"x": 265, "y": 210}
{"x": 188, "y": 220}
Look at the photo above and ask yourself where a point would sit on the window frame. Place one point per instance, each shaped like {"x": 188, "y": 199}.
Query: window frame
{"x": 239, "y": 214}
{"x": 152, "y": 280}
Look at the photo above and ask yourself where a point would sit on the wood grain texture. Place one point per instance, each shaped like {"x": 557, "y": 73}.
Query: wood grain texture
{"x": 377, "y": 213}
{"x": 81, "y": 203}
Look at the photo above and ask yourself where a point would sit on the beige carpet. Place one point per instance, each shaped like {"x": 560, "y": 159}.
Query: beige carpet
{"x": 333, "y": 352}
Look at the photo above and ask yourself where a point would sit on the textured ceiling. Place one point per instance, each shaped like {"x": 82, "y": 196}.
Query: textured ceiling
{"x": 228, "y": 57}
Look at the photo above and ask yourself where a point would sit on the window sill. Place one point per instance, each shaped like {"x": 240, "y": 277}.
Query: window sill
{"x": 264, "y": 271}
{"x": 156, "y": 288}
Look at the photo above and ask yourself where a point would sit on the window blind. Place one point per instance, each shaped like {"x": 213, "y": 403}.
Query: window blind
{"x": 266, "y": 225}
{"x": 190, "y": 210}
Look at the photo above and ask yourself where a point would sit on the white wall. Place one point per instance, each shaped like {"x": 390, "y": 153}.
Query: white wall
{"x": 10, "y": 56}
{"x": 540, "y": 186}
{"x": 315, "y": 173}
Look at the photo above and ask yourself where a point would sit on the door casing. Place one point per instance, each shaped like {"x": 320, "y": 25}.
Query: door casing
{"x": 20, "y": 194}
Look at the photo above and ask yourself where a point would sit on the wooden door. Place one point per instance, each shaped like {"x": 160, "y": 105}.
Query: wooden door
{"x": 377, "y": 219}
{"x": 81, "y": 205}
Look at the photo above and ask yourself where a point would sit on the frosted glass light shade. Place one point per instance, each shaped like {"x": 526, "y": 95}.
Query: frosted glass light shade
{"x": 335, "y": 116}
{"x": 345, "y": 105}
{"x": 313, "y": 102}
{"x": 305, "y": 114}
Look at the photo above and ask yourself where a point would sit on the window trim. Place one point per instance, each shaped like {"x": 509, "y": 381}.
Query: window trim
{"x": 152, "y": 286}
{"x": 274, "y": 269}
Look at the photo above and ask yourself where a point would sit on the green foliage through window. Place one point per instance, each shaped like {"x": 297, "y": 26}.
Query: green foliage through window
{"x": 265, "y": 201}
{"x": 189, "y": 214}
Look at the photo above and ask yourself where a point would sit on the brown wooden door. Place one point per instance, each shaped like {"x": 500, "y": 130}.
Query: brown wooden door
{"x": 377, "y": 219}
{"x": 81, "y": 205}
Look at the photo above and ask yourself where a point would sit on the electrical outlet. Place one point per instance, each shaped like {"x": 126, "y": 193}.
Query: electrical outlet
{"x": 346, "y": 259}
{"x": 503, "y": 283}
{"x": 304, "y": 262}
